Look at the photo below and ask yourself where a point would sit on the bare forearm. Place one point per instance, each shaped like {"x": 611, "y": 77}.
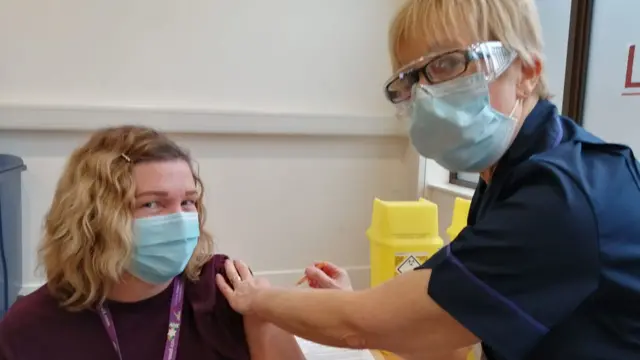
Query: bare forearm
{"x": 376, "y": 318}
{"x": 324, "y": 316}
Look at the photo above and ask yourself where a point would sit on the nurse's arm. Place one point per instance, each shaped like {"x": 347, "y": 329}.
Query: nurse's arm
{"x": 398, "y": 316}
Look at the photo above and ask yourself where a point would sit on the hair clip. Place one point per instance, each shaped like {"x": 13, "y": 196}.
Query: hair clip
{"x": 127, "y": 159}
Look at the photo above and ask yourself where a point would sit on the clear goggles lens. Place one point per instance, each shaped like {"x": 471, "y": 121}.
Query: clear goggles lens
{"x": 489, "y": 58}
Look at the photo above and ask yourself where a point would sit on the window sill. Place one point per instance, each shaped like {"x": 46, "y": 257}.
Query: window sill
{"x": 455, "y": 190}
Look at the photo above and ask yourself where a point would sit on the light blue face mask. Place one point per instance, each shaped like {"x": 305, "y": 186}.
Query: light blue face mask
{"x": 163, "y": 246}
{"x": 458, "y": 128}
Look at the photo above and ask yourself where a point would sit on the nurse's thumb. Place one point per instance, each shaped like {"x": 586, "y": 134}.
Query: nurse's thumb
{"x": 318, "y": 279}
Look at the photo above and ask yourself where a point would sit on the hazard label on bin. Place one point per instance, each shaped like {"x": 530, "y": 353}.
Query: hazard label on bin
{"x": 408, "y": 261}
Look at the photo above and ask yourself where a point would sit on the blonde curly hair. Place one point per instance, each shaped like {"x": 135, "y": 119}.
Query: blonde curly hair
{"x": 88, "y": 237}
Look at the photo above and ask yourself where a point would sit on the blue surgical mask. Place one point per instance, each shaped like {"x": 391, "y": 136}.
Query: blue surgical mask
{"x": 458, "y": 128}
{"x": 163, "y": 245}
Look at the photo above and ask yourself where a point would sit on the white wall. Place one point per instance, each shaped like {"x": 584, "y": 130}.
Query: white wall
{"x": 555, "y": 17}
{"x": 280, "y": 102}
{"x": 612, "y": 104}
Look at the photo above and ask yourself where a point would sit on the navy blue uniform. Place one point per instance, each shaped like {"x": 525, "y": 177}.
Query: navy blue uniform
{"x": 549, "y": 265}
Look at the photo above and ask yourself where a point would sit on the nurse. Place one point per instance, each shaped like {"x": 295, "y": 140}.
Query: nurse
{"x": 549, "y": 264}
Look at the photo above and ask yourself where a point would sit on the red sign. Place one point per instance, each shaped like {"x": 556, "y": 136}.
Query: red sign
{"x": 629, "y": 85}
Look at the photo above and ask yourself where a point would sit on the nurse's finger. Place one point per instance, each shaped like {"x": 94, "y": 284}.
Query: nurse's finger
{"x": 330, "y": 269}
{"x": 243, "y": 270}
{"x": 232, "y": 273}
{"x": 318, "y": 277}
{"x": 224, "y": 287}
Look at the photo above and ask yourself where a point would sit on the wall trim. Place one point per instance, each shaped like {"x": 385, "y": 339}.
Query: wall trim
{"x": 36, "y": 117}
{"x": 451, "y": 189}
{"x": 359, "y": 277}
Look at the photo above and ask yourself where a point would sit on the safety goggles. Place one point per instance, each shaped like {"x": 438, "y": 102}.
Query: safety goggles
{"x": 491, "y": 58}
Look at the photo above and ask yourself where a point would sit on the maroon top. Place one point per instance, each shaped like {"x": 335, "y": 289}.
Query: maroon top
{"x": 36, "y": 328}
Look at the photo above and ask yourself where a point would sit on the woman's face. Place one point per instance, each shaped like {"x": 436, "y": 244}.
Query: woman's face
{"x": 164, "y": 187}
{"x": 503, "y": 91}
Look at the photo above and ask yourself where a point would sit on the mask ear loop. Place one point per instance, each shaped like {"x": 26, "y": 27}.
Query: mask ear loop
{"x": 493, "y": 167}
{"x": 515, "y": 107}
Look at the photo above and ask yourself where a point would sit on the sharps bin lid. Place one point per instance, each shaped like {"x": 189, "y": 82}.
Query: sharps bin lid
{"x": 10, "y": 163}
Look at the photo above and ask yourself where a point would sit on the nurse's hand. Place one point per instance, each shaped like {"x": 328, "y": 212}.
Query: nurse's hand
{"x": 242, "y": 288}
{"x": 325, "y": 275}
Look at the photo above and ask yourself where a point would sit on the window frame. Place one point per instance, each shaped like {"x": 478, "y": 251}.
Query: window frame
{"x": 456, "y": 180}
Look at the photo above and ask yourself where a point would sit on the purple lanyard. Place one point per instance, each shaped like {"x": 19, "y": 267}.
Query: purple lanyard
{"x": 175, "y": 318}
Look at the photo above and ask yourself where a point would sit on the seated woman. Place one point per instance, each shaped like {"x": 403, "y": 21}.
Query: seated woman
{"x": 130, "y": 267}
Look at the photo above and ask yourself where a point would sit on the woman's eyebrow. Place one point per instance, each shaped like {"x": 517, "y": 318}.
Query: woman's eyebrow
{"x": 153, "y": 192}
{"x": 161, "y": 193}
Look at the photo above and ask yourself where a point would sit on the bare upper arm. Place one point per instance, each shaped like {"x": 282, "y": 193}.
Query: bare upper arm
{"x": 268, "y": 342}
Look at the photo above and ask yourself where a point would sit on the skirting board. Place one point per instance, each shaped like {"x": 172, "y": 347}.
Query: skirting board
{"x": 285, "y": 278}
{"x": 36, "y": 117}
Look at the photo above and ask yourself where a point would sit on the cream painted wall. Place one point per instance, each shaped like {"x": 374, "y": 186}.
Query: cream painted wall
{"x": 280, "y": 102}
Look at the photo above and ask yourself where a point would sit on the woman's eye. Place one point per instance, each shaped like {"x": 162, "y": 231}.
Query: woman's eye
{"x": 189, "y": 203}
{"x": 151, "y": 204}
{"x": 447, "y": 64}
{"x": 446, "y": 67}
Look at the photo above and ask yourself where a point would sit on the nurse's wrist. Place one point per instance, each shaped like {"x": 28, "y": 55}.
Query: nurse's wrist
{"x": 262, "y": 302}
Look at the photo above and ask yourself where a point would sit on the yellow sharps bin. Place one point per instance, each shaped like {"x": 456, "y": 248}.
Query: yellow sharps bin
{"x": 459, "y": 219}
{"x": 402, "y": 236}
{"x": 458, "y": 222}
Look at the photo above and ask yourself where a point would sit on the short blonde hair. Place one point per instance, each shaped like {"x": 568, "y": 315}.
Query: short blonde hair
{"x": 515, "y": 23}
{"x": 88, "y": 237}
